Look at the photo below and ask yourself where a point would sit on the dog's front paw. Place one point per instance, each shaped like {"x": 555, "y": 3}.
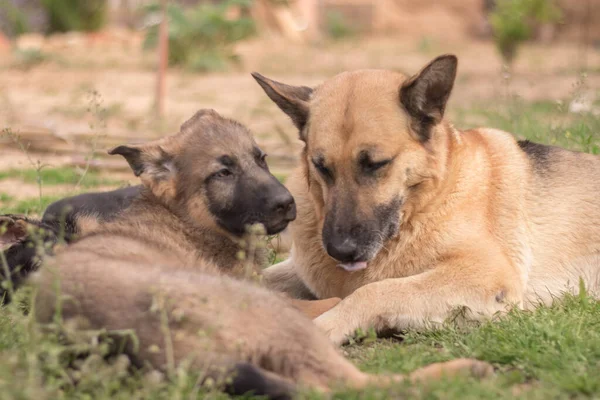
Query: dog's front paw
{"x": 336, "y": 328}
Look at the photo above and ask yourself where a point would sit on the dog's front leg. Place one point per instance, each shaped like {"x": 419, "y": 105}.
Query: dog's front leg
{"x": 282, "y": 277}
{"x": 423, "y": 301}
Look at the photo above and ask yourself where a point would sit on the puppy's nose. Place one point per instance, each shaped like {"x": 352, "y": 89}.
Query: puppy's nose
{"x": 284, "y": 206}
{"x": 345, "y": 251}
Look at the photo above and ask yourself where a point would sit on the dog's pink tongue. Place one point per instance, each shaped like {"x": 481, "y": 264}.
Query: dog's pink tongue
{"x": 355, "y": 266}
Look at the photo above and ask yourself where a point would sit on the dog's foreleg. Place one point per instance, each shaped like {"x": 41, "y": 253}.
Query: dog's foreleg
{"x": 425, "y": 300}
{"x": 282, "y": 277}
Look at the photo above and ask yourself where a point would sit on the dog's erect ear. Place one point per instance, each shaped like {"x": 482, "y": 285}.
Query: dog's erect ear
{"x": 11, "y": 231}
{"x": 152, "y": 163}
{"x": 425, "y": 94}
{"x": 148, "y": 159}
{"x": 292, "y": 100}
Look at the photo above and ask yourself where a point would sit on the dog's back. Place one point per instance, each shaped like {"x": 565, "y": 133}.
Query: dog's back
{"x": 105, "y": 205}
{"x": 563, "y": 206}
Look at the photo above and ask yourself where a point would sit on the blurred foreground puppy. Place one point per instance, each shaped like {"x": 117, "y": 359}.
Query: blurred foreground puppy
{"x": 409, "y": 219}
{"x": 156, "y": 270}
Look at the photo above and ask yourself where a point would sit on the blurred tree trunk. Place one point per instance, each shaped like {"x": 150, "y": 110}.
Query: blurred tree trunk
{"x": 163, "y": 58}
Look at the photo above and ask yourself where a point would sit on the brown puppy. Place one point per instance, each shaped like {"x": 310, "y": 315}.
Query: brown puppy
{"x": 408, "y": 218}
{"x": 226, "y": 193}
{"x": 150, "y": 271}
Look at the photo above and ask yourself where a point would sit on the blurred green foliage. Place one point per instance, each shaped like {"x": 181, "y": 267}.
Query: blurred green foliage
{"x": 75, "y": 15}
{"x": 513, "y": 22}
{"x": 14, "y": 18}
{"x": 337, "y": 27}
{"x": 202, "y": 38}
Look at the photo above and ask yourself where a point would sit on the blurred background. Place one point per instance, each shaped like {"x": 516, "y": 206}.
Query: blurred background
{"x": 77, "y": 77}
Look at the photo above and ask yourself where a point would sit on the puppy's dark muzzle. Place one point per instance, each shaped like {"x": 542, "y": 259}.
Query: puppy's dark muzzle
{"x": 282, "y": 209}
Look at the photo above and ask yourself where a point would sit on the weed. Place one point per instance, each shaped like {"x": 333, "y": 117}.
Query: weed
{"x": 75, "y": 15}
{"x": 202, "y": 37}
{"x": 37, "y": 165}
{"x": 5, "y": 198}
{"x": 16, "y": 19}
{"x": 27, "y": 59}
{"x": 512, "y": 22}
{"x": 427, "y": 45}
{"x": 337, "y": 27}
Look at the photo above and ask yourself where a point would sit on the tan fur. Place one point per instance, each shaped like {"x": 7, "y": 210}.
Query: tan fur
{"x": 160, "y": 274}
{"x": 483, "y": 226}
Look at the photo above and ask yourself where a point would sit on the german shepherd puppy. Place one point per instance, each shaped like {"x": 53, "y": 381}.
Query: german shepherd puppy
{"x": 156, "y": 270}
{"x": 407, "y": 218}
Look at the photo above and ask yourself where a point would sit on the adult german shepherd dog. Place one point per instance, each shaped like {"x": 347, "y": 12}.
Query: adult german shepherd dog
{"x": 160, "y": 265}
{"x": 407, "y": 218}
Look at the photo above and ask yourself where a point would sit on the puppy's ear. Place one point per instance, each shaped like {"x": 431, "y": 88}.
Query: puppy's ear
{"x": 11, "y": 231}
{"x": 292, "y": 100}
{"x": 153, "y": 164}
{"x": 424, "y": 95}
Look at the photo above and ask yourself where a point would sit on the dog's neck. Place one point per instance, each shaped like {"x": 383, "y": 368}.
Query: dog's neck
{"x": 445, "y": 147}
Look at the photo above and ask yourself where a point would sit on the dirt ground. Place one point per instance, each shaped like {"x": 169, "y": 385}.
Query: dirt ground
{"x": 52, "y": 105}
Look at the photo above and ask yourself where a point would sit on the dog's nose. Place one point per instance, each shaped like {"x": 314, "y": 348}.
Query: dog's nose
{"x": 345, "y": 251}
{"x": 284, "y": 206}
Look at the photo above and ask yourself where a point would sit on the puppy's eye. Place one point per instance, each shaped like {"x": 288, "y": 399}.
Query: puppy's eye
{"x": 223, "y": 173}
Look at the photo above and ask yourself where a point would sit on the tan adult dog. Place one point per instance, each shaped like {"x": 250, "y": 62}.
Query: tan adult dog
{"x": 408, "y": 218}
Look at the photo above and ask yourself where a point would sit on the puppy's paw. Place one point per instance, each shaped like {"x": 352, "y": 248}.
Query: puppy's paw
{"x": 460, "y": 366}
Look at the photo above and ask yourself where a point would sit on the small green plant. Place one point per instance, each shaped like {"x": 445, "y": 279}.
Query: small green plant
{"x": 427, "y": 45}
{"x": 75, "y": 15}
{"x": 513, "y": 21}
{"x": 337, "y": 27}
{"x": 15, "y": 19}
{"x": 202, "y": 38}
{"x": 26, "y": 59}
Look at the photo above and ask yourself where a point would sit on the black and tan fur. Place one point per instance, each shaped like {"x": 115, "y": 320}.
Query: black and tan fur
{"x": 151, "y": 270}
{"x": 31, "y": 239}
{"x": 408, "y": 218}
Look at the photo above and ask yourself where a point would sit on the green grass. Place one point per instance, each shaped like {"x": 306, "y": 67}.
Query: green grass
{"x": 557, "y": 347}
{"x": 281, "y": 177}
{"x": 550, "y": 353}
{"x": 48, "y": 177}
{"x": 5, "y": 198}
{"x": 543, "y": 122}
{"x": 58, "y": 176}
{"x": 553, "y": 351}
{"x": 28, "y": 206}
